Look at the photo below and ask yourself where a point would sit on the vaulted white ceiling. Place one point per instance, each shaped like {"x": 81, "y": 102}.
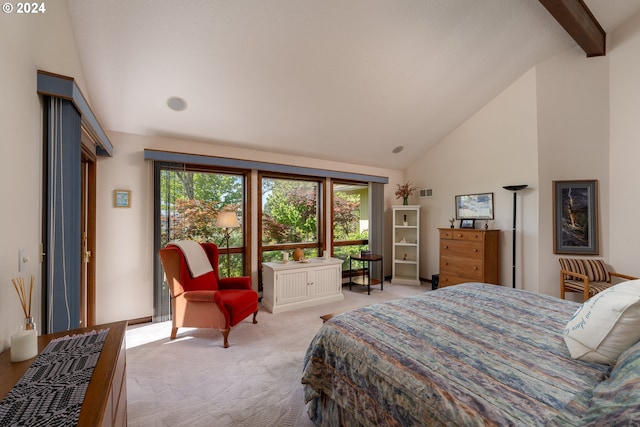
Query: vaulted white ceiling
{"x": 344, "y": 80}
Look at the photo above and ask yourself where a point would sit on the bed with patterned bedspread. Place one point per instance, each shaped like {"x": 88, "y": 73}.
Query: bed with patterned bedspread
{"x": 472, "y": 354}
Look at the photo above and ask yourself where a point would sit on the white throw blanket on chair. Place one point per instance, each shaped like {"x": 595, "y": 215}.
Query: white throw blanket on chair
{"x": 195, "y": 255}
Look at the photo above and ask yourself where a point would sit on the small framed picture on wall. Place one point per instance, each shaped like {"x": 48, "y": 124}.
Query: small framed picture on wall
{"x": 121, "y": 198}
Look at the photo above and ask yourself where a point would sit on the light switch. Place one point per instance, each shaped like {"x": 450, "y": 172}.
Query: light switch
{"x": 23, "y": 259}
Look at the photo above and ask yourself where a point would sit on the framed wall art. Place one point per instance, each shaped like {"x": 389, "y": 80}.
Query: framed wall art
{"x": 121, "y": 198}
{"x": 474, "y": 206}
{"x": 575, "y": 217}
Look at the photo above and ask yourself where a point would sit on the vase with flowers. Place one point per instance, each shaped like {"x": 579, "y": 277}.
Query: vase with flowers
{"x": 404, "y": 191}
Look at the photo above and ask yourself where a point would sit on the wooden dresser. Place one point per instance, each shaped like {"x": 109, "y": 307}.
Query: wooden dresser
{"x": 469, "y": 256}
{"x": 105, "y": 401}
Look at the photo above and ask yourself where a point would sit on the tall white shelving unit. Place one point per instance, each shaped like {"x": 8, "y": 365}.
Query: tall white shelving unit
{"x": 406, "y": 245}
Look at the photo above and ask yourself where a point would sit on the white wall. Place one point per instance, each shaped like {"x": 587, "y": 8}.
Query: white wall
{"x": 625, "y": 147}
{"x": 573, "y": 144}
{"x": 494, "y": 148}
{"x": 124, "y": 250}
{"x": 27, "y": 43}
{"x": 569, "y": 118}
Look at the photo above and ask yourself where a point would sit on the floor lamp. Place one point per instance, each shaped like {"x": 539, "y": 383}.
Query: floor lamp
{"x": 515, "y": 189}
{"x": 228, "y": 220}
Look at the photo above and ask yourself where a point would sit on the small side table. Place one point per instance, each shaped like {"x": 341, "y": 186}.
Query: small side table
{"x": 366, "y": 270}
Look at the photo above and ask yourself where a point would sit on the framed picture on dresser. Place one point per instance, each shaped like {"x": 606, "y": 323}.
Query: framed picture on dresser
{"x": 467, "y": 223}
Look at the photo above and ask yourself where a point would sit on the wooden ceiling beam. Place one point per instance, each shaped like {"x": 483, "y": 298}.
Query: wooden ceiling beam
{"x": 577, "y": 20}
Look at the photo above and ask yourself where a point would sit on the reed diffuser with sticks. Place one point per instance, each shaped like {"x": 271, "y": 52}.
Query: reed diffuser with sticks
{"x": 18, "y": 284}
{"x": 24, "y": 344}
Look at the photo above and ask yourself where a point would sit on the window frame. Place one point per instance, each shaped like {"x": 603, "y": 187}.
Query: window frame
{"x": 344, "y": 243}
{"x": 338, "y": 243}
{"x": 251, "y": 169}
{"x": 319, "y": 245}
{"x": 161, "y": 310}
{"x": 246, "y": 207}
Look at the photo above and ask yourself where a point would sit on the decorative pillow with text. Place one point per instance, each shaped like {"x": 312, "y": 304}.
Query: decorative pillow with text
{"x": 605, "y": 325}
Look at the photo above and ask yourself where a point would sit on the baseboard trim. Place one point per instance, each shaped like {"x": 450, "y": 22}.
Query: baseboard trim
{"x": 139, "y": 320}
{"x": 422, "y": 279}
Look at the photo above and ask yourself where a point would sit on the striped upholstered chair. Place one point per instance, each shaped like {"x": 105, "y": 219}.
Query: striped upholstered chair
{"x": 588, "y": 276}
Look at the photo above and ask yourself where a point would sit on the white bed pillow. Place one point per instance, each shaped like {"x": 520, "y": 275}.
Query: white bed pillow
{"x": 605, "y": 325}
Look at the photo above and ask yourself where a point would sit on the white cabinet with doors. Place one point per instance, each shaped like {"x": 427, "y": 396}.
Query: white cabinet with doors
{"x": 406, "y": 245}
{"x": 297, "y": 285}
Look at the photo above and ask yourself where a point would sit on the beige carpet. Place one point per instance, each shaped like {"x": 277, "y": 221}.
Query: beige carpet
{"x": 194, "y": 381}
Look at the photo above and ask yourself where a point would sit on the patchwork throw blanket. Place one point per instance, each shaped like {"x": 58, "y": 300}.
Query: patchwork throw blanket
{"x": 466, "y": 355}
{"x": 52, "y": 390}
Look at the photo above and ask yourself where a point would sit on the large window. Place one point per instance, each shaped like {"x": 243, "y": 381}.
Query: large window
{"x": 293, "y": 205}
{"x": 290, "y": 216}
{"x": 350, "y": 219}
{"x": 188, "y": 200}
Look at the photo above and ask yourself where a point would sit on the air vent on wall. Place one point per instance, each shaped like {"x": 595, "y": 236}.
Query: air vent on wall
{"x": 426, "y": 192}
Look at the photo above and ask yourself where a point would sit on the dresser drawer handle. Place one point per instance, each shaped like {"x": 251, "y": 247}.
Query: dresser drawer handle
{"x": 475, "y": 250}
{"x": 446, "y": 247}
{"x": 459, "y": 234}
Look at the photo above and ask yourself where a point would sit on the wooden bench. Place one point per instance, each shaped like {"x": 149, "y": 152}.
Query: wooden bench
{"x": 326, "y": 317}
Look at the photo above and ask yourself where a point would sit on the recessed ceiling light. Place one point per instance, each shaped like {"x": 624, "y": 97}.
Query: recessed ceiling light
{"x": 176, "y": 103}
{"x": 398, "y": 149}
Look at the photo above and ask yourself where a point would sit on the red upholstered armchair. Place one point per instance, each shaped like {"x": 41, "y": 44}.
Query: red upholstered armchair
{"x": 206, "y": 301}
